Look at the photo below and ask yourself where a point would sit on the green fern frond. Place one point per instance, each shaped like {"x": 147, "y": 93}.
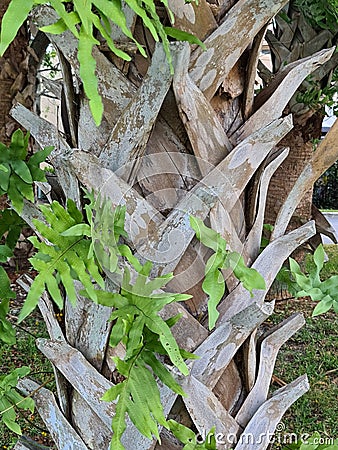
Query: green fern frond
{"x": 138, "y": 396}
{"x": 61, "y": 257}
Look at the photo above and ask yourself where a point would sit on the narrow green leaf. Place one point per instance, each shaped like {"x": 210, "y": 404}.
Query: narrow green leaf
{"x": 118, "y": 52}
{"x": 162, "y": 373}
{"x": 318, "y": 259}
{"x": 204, "y": 234}
{"x": 25, "y": 189}
{"x": 135, "y": 337}
{"x": 11, "y": 424}
{"x": 33, "y": 297}
{"x": 119, "y": 420}
{"x": 4, "y": 178}
{"x": 7, "y": 332}
{"x": 40, "y": 156}
{"x": 158, "y": 326}
{"x": 125, "y": 251}
{"x": 80, "y": 229}
{"x": 134, "y": 5}
{"x": 60, "y": 26}
{"x": 117, "y": 333}
{"x": 113, "y": 10}
{"x": 22, "y": 170}
{"x": 88, "y": 76}
{"x": 15, "y": 196}
{"x": 83, "y": 8}
{"x": 214, "y": 286}
{"x": 180, "y": 35}
{"x": 63, "y": 14}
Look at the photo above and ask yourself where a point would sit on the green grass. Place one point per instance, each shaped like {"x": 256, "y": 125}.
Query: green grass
{"x": 25, "y": 353}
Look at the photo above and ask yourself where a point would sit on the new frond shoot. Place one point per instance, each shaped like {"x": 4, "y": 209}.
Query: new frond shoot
{"x": 214, "y": 282}
{"x": 85, "y": 20}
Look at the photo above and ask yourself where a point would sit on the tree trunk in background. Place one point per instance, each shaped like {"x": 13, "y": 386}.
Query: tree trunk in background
{"x": 301, "y": 141}
{"x": 289, "y": 42}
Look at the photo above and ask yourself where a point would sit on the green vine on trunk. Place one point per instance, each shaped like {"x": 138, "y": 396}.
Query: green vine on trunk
{"x": 214, "y": 283}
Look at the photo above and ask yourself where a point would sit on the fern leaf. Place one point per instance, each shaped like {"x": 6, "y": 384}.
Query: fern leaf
{"x": 135, "y": 337}
{"x": 162, "y": 373}
{"x": 204, "y": 234}
{"x": 214, "y": 286}
{"x": 118, "y": 52}
{"x": 24, "y": 189}
{"x": 158, "y": 326}
{"x": 7, "y": 332}
{"x": 113, "y": 10}
{"x": 133, "y": 4}
{"x": 250, "y": 278}
{"x": 107, "y": 227}
{"x": 184, "y": 36}
{"x": 119, "y": 419}
{"x": 83, "y": 8}
{"x": 4, "y": 179}
{"x": 117, "y": 333}
{"x": 22, "y": 170}
{"x": 14, "y": 17}
{"x": 15, "y": 196}
{"x": 60, "y": 9}
{"x": 141, "y": 377}
{"x": 138, "y": 396}
{"x": 62, "y": 256}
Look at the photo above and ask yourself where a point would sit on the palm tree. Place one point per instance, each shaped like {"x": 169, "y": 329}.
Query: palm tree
{"x": 169, "y": 146}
